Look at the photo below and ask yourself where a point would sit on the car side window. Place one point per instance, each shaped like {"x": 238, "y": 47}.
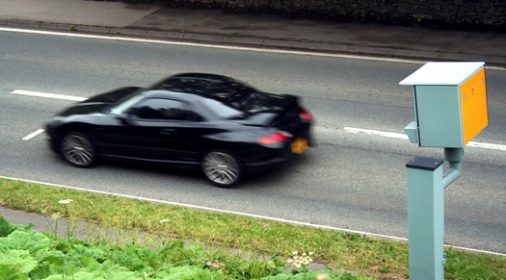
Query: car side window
{"x": 163, "y": 109}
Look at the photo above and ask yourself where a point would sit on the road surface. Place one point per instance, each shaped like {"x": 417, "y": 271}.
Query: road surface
{"x": 353, "y": 179}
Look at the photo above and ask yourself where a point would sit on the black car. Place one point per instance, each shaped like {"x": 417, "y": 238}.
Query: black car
{"x": 207, "y": 121}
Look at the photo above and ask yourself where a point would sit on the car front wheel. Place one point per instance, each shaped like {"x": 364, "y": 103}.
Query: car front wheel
{"x": 78, "y": 149}
{"x": 222, "y": 169}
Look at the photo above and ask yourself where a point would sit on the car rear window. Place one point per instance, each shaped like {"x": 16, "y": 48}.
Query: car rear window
{"x": 221, "y": 109}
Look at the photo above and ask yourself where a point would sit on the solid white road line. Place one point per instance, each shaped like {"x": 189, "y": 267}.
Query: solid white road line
{"x": 369, "y": 234}
{"x": 482, "y": 145}
{"x": 48, "y": 95}
{"x": 217, "y": 46}
{"x": 33, "y": 134}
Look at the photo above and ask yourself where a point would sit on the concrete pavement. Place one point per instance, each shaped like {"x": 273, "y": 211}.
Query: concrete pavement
{"x": 81, "y": 230}
{"x": 264, "y": 31}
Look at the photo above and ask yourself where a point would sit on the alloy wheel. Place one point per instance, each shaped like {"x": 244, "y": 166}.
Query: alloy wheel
{"x": 221, "y": 168}
{"x": 78, "y": 150}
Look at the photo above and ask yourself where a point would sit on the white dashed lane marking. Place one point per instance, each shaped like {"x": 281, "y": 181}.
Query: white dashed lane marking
{"x": 33, "y": 134}
{"x": 387, "y": 134}
{"x": 48, "y": 95}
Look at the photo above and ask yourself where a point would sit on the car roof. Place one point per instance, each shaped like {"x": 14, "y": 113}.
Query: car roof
{"x": 174, "y": 82}
{"x": 209, "y": 86}
{"x": 203, "y": 76}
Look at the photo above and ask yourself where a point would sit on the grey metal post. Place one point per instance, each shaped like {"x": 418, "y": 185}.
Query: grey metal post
{"x": 454, "y": 157}
{"x": 425, "y": 218}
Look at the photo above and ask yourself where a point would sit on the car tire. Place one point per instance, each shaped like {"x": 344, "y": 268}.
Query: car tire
{"x": 78, "y": 149}
{"x": 222, "y": 169}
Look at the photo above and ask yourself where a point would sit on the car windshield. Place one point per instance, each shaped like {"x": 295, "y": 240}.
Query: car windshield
{"x": 123, "y": 105}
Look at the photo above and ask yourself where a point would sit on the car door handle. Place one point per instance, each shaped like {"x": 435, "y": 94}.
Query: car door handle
{"x": 168, "y": 131}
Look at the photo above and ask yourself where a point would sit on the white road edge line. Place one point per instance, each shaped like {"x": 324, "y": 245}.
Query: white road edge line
{"x": 217, "y": 46}
{"x": 387, "y": 134}
{"x": 33, "y": 134}
{"x": 48, "y": 95}
{"x": 369, "y": 234}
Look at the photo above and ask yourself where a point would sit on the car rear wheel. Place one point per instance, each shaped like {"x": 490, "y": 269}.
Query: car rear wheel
{"x": 222, "y": 169}
{"x": 78, "y": 149}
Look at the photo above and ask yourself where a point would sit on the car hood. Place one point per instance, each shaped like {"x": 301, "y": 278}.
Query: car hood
{"x": 98, "y": 102}
{"x": 111, "y": 96}
{"x": 83, "y": 108}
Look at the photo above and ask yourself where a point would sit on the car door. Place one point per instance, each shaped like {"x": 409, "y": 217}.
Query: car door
{"x": 169, "y": 130}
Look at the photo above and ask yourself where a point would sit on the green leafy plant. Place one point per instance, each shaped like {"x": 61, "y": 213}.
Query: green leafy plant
{"x": 27, "y": 254}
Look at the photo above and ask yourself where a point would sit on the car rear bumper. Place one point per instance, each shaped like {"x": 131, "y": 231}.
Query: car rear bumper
{"x": 266, "y": 163}
{"x": 275, "y": 158}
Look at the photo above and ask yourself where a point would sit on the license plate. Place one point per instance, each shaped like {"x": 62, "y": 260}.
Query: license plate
{"x": 299, "y": 146}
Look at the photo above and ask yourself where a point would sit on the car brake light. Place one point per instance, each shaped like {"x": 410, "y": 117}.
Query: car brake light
{"x": 306, "y": 116}
{"x": 275, "y": 138}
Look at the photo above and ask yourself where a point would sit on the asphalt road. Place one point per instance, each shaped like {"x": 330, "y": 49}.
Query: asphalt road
{"x": 350, "y": 180}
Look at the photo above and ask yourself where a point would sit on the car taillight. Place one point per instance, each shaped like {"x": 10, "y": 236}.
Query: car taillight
{"x": 306, "y": 116}
{"x": 275, "y": 138}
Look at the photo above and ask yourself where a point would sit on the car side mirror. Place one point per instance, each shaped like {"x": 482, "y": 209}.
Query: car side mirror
{"x": 123, "y": 118}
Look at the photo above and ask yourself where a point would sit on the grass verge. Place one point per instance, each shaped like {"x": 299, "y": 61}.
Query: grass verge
{"x": 339, "y": 251}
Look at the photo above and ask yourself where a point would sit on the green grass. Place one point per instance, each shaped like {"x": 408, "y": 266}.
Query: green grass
{"x": 340, "y": 251}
